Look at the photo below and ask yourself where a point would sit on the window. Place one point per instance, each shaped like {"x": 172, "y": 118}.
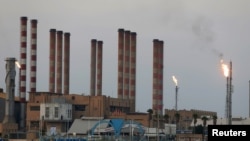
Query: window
{"x": 56, "y": 112}
{"x": 34, "y": 108}
{"x": 79, "y": 107}
{"x": 46, "y": 112}
{"x": 69, "y": 113}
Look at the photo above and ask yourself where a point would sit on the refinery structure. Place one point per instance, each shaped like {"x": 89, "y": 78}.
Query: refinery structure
{"x": 57, "y": 109}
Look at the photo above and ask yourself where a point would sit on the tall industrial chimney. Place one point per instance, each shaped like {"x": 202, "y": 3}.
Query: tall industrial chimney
{"x": 120, "y": 62}
{"x": 66, "y": 62}
{"x": 157, "y": 76}
{"x": 93, "y": 67}
{"x": 59, "y": 62}
{"x": 99, "y": 68}
{"x": 52, "y": 60}
{"x": 132, "y": 81}
{"x": 23, "y": 61}
{"x": 126, "y": 65}
{"x": 10, "y": 90}
{"x": 33, "y": 55}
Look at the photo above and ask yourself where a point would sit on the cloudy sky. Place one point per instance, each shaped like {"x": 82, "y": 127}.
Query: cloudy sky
{"x": 197, "y": 34}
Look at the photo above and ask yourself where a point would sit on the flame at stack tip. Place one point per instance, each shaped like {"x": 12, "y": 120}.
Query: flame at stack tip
{"x": 175, "y": 80}
{"x": 225, "y": 68}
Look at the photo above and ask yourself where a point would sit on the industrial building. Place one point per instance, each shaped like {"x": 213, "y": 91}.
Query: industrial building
{"x": 56, "y": 108}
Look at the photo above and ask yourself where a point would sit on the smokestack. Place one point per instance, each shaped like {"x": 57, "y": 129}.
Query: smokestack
{"x": 132, "y": 82}
{"x": 126, "y": 65}
{"x": 59, "y": 62}
{"x": 66, "y": 62}
{"x": 93, "y": 67}
{"x": 10, "y": 91}
{"x": 157, "y": 76}
{"x": 99, "y": 68}
{"x": 23, "y": 57}
{"x": 52, "y": 60}
{"x": 160, "y": 67}
{"x": 22, "y": 78}
{"x": 120, "y": 62}
{"x": 33, "y": 55}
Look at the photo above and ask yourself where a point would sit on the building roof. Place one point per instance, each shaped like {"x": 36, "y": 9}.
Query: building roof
{"x": 82, "y": 126}
{"x": 223, "y": 121}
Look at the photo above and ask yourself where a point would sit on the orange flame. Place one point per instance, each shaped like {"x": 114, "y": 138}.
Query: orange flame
{"x": 225, "y": 69}
{"x": 175, "y": 80}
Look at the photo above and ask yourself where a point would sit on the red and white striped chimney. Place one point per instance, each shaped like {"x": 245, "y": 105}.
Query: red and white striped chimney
{"x": 120, "y": 62}
{"x": 23, "y": 60}
{"x": 126, "y": 65}
{"x": 33, "y": 55}
{"x": 66, "y": 62}
{"x": 157, "y": 76}
{"x": 52, "y": 61}
{"x": 99, "y": 68}
{"x": 59, "y": 62}
{"x": 132, "y": 80}
{"x": 93, "y": 67}
{"x": 160, "y": 78}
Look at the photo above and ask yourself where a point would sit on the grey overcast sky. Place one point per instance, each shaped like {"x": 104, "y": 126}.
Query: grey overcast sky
{"x": 195, "y": 33}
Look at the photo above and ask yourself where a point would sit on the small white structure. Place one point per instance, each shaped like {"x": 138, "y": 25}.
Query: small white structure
{"x": 55, "y": 111}
{"x": 170, "y": 129}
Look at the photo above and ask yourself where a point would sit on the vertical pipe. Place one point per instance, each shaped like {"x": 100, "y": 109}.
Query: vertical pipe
{"x": 23, "y": 62}
{"x": 10, "y": 90}
{"x": 33, "y": 55}
{"x": 59, "y": 62}
{"x": 52, "y": 61}
{"x": 120, "y": 62}
{"x": 126, "y": 65}
{"x": 132, "y": 82}
{"x": 155, "y": 75}
{"x": 66, "y": 62}
{"x": 230, "y": 94}
{"x": 93, "y": 67}
{"x": 99, "y": 68}
{"x": 249, "y": 100}
{"x": 227, "y": 100}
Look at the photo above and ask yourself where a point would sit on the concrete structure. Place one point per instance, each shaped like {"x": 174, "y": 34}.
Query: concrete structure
{"x": 96, "y": 68}
{"x": 59, "y": 63}
{"x": 99, "y": 68}
{"x": 87, "y": 106}
{"x": 66, "y": 62}
{"x": 33, "y": 55}
{"x": 23, "y": 72}
{"x": 157, "y": 77}
{"x": 126, "y": 64}
{"x": 186, "y": 117}
{"x": 52, "y": 60}
{"x": 93, "y": 67}
{"x": 223, "y": 121}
